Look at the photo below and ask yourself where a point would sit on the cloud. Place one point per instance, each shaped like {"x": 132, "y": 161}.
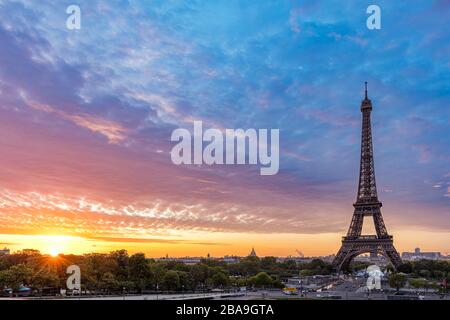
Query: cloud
{"x": 86, "y": 116}
{"x": 113, "y": 131}
{"x": 293, "y": 16}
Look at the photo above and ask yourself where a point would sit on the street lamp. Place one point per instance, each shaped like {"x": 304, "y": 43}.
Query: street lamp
{"x": 204, "y": 290}
{"x": 301, "y": 288}
{"x": 157, "y": 290}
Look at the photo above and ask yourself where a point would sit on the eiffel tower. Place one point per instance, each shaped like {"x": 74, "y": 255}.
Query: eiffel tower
{"x": 367, "y": 204}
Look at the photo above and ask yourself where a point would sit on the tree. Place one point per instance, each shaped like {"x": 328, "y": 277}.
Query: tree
{"x": 186, "y": 281}
{"x": 269, "y": 263}
{"x": 122, "y": 261}
{"x": 199, "y": 274}
{"x": 262, "y": 279}
{"x": 307, "y": 273}
{"x": 220, "y": 279}
{"x": 316, "y": 264}
{"x": 16, "y": 276}
{"x": 319, "y": 266}
{"x": 158, "y": 272}
{"x": 139, "y": 271}
{"x": 278, "y": 284}
{"x": 44, "y": 278}
{"x": 397, "y": 281}
{"x": 405, "y": 267}
{"x": 250, "y": 265}
{"x": 425, "y": 273}
{"x": 290, "y": 265}
{"x": 126, "y": 285}
{"x": 94, "y": 266}
{"x": 109, "y": 282}
{"x": 437, "y": 274}
{"x": 30, "y": 252}
{"x": 171, "y": 280}
{"x": 419, "y": 284}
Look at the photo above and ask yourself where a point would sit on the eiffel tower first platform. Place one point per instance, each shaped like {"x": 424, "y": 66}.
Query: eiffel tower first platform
{"x": 367, "y": 204}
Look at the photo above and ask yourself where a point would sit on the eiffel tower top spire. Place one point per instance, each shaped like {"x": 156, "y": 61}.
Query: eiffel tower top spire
{"x": 367, "y": 189}
{"x": 366, "y": 103}
{"x": 366, "y": 90}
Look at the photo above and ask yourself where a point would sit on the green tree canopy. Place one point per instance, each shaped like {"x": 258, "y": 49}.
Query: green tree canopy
{"x": 16, "y": 276}
{"x": 397, "y": 281}
{"x": 139, "y": 271}
{"x": 262, "y": 279}
{"x": 171, "y": 280}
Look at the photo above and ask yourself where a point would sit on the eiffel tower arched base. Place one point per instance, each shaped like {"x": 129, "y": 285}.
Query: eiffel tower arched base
{"x": 351, "y": 248}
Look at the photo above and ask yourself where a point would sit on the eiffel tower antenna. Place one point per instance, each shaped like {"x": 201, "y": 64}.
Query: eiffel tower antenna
{"x": 366, "y": 90}
{"x": 367, "y": 204}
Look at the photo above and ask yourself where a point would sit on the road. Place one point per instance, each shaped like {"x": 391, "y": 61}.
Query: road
{"x": 350, "y": 289}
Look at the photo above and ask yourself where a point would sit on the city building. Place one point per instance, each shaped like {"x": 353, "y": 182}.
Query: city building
{"x": 252, "y": 253}
{"x": 294, "y": 258}
{"x": 195, "y": 260}
{"x": 185, "y": 260}
{"x": 231, "y": 259}
{"x": 417, "y": 255}
{"x": 5, "y": 251}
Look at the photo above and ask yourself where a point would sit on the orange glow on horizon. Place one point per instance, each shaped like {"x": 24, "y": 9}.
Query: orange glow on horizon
{"x": 218, "y": 244}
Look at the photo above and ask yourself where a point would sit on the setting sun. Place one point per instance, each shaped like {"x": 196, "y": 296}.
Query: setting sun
{"x": 54, "y": 252}
{"x": 55, "y": 245}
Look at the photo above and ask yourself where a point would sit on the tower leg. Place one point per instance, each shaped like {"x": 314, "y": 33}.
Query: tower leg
{"x": 394, "y": 257}
{"x": 353, "y": 247}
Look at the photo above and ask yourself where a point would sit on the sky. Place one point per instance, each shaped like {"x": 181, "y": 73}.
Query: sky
{"x": 86, "y": 118}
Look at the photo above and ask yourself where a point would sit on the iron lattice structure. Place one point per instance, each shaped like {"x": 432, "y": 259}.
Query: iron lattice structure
{"x": 367, "y": 204}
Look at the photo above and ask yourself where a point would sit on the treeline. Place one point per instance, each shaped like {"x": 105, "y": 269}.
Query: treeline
{"x": 119, "y": 272}
{"x": 422, "y": 275}
{"x": 429, "y": 269}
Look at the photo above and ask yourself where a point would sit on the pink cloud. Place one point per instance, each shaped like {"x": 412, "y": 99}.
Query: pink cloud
{"x": 111, "y": 130}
